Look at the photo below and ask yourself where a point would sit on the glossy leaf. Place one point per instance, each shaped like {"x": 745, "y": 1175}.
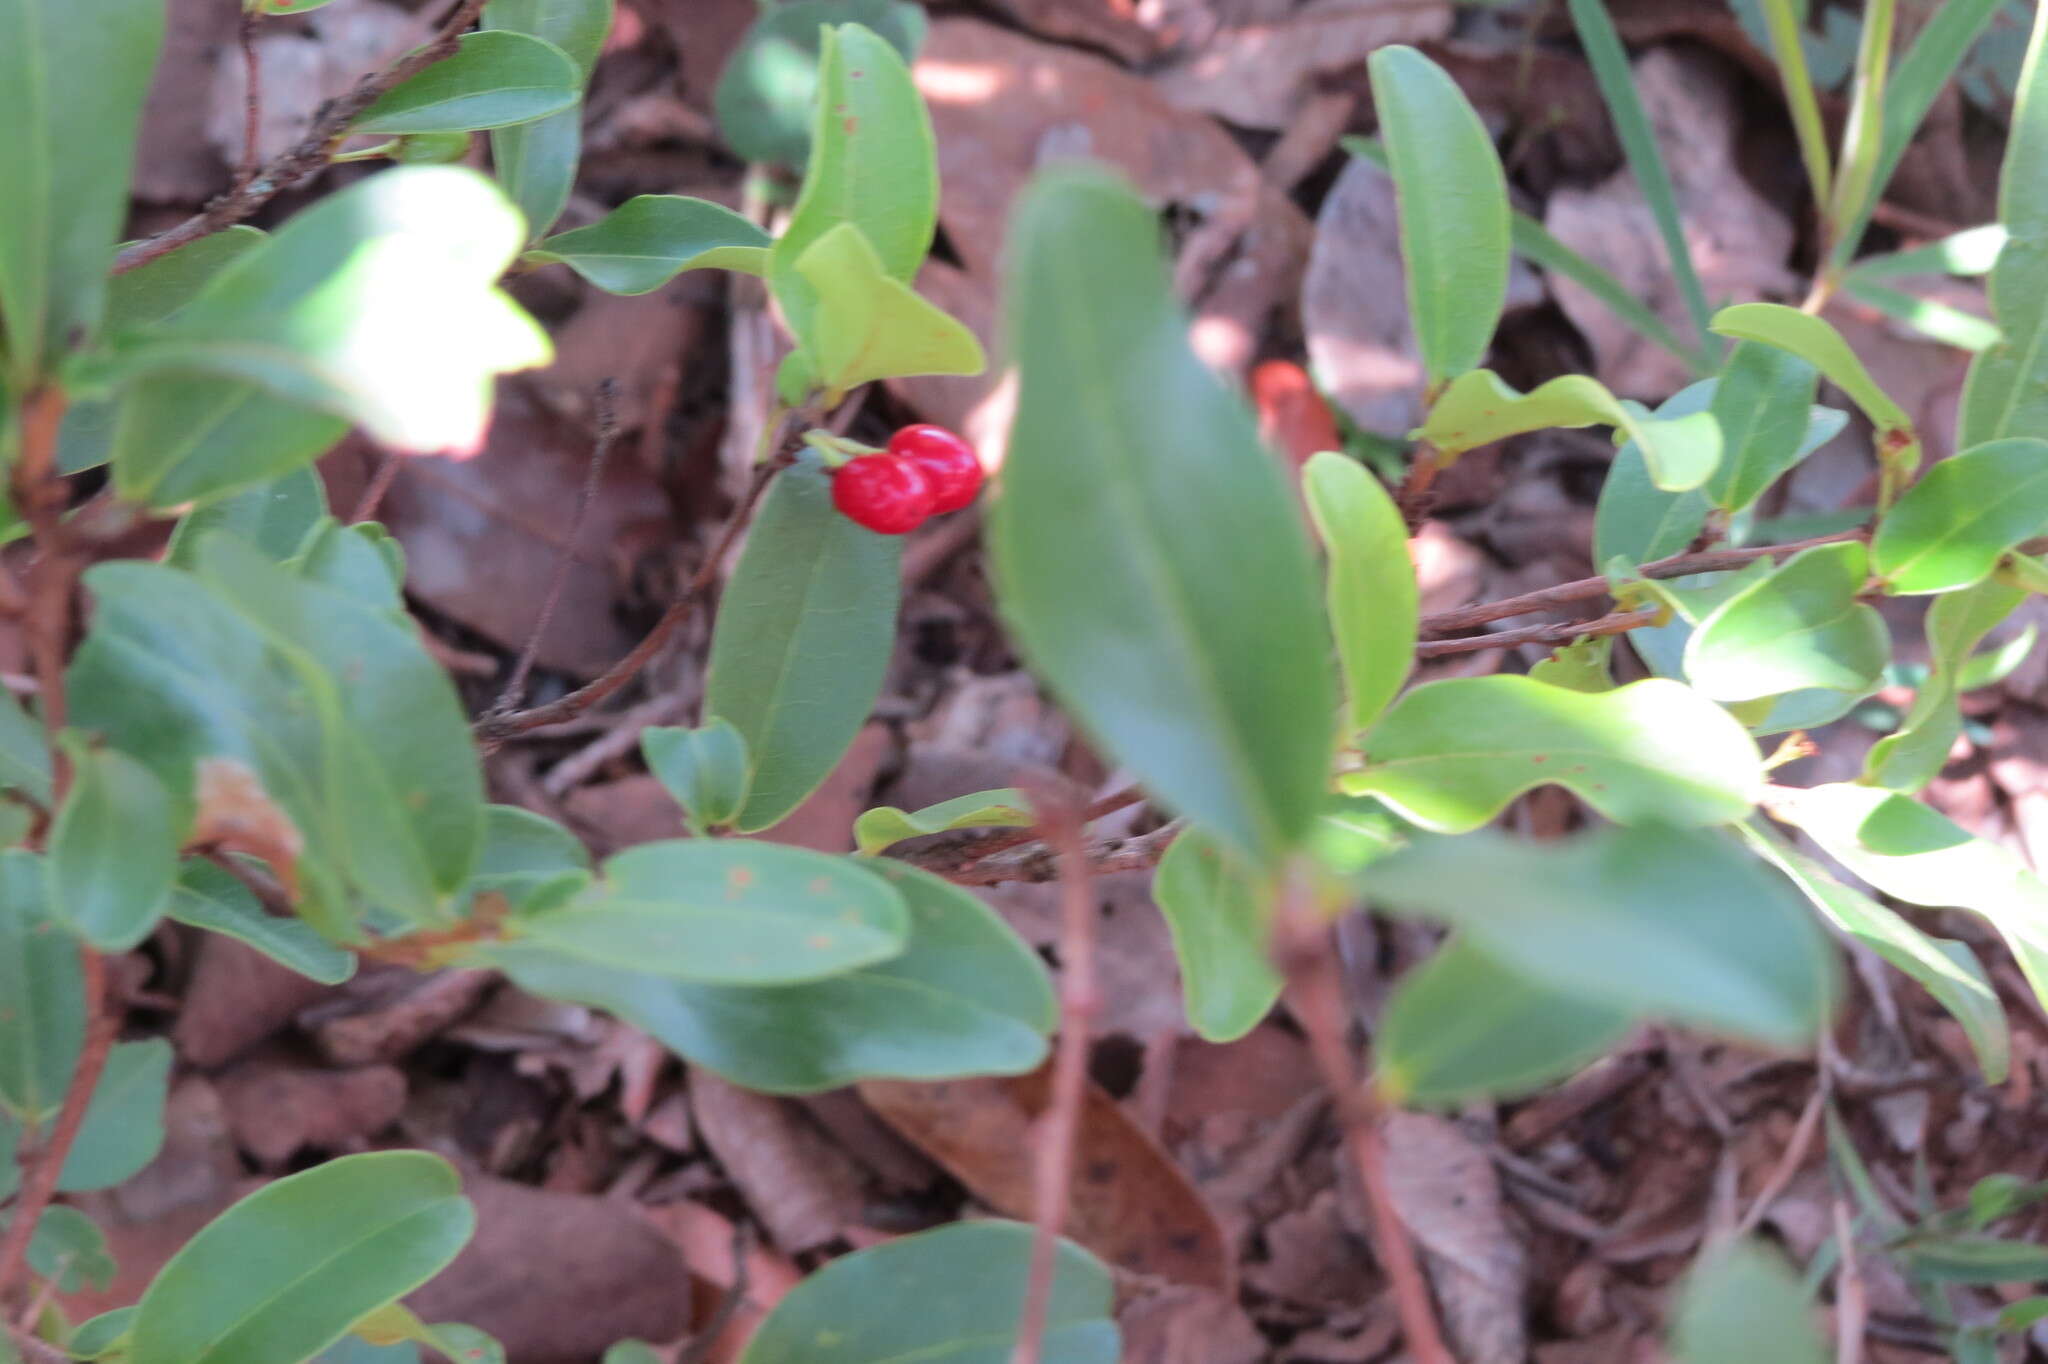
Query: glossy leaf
{"x": 651, "y": 238}
{"x": 1951, "y": 528}
{"x": 1006, "y": 808}
{"x": 284, "y": 1272}
{"x": 1205, "y": 673}
{"x": 113, "y": 850}
{"x": 379, "y": 303}
{"x": 494, "y": 78}
{"x": 1218, "y": 910}
{"x": 1462, "y": 1027}
{"x": 274, "y": 516}
{"x": 1764, "y": 406}
{"x": 1948, "y": 970}
{"x": 1450, "y": 755}
{"x": 1742, "y": 1302}
{"x": 705, "y": 769}
{"x": 1676, "y": 923}
{"x": 1799, "y": 627}
{"x": 1820, "y": 345}
{"x": 965, "y": 997}
{"x": 768, "y": 90}
{"x": 42, "y": 1026}
{"x": 1371, "y": 594}
{"x": 1453, "y": 202}
{"x": 1635, "y": 519}
{"x": 728, "y": 912}
{"x": 804, "y": 633}
{"x": 968, "y": 1281}
{"x": 124, "y": 1124}
{"x": 536, "y": 162}
{"x": 1478, "y": 409}
{"x": 209, "y": 897}
{"x": 72, "y": 80}
{"x": 867, "y": 326}
{"x": 1915, "y": 753}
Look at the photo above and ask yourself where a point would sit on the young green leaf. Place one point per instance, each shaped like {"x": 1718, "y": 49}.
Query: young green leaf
{"x": 1819, "y": 344}
{"x": 1799, "y": 627}
{"x": 1586, "y": 664}
{"x": 1461, "y": 1027}
{"x": 1218, "y": 909}
{"x": 1371, "y": 594}
{"x": 803, "y": 636}
{"x": 379, "y": 303}
{"x": 283, "y": 1273}
{"x": 1453, "y": 200}
{"x": 536, "y": 162}
{"x": 865, "y": 325}
{"x": 1130, "y": 466}
{"x": 72, "y": 79}
{"x": 966, "y": 997}
{"x": 68, "y": 1249}
{"x": 1450, "y": 755}
{"x": 768, "y": 91}
{"x": 1478, "y": 409}
{"x": 124, "y": 1124}
{"x": 1915, "y": 753}
{"x": 1951, "y": 528}
{"x": 728, "y": 912}
{"x": 43, "y": 1025}
{"x": 495, "y": 78}
{"x": 113, "y": 849}
{"x": 1680, "y": 924}
{"x": 210, "y": 897}
{"x": 1006, "y": 808}
{"x": 274, "y": 516}
{"x": 1764, "y": 407}
{"x": 651, "y": 238}
{"x": 705, "y": 769}
{"x": 1742, "y": 1304}
{"x": 1636, "y": 520}
{"x": 968, "y": 1281}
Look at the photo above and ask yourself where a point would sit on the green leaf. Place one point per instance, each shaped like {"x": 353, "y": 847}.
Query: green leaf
{"x": 72, "y": 78}
{"x": 1782, "y": 22}
{"x": 1951, "y": 528}
{"x": 1677, "y": 923}
{"x": 1131, "y": 470}
{"x": 124, "y": 1124}
{"x": 1933, "y": 319}
{"x": 631, "y": 1352}
{"x": 1462, "y": 1027}
{"x": 379, "y": 303}
{"x": 728, "y": 912}
{"x": 1742, "y": 1304}
{"x": 495, "y": 78}
{"x": 1586, "y": 664}
{"x": 1976, "y": 1259}
{"x": 283, "y": 1273}
{"x": 1948, "y": 970}
{"x": 1535, "y": 244}
{"x": 67, "y": 1247}
{"x": 1450, "y": 755}
{"x": 968, "y": 1282}
{"x": 874, "y": 165}
{"x": 536, "y": 162}
{"x": 966, "y": 997}
{"x": 803, "y": 637}
{"x": 355, "y": 1350}
{"x": 1911, "y": 853}
{"x": 1006, "y": 808}
{"x": 1799, "y": 627}
{"x": 1764, "y": 407}
{"x": 42, "y": 1026}
{"x": 113, "y": 849}
{"x": 706, "y": 769}
{"x": 1632, "y": 123}
{"x": 865, "y": 326}
{"x": 1970, "y": 252}
{"x": 1863, "y": 132}
{"x": 190, "y": 437}
{"x": 209, "y": 897}
{"x": 1478, "y": 409}
{"x": 100, "y": 1335}
{"x": 1218, "y": 910}
{"x": 1371, "y": 594}
{"x": 1820, "y": 345}
{"x": 24, "y": 751}
{"x": 651, "y": 238}
{"x": 1915, "y": 753}
{"x": 769, "y": 87}
{"x": 1453, "y": 201}
{"x": 395, "y": 1323}
{"x": 274, "y": 516}
{"x": 1638, "y": 521}
{"x": 155, "y": 290}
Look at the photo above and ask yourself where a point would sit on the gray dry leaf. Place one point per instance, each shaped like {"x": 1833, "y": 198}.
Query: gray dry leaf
{"x": 1739, "y": 240}
{"x": 1447, "y": 1193}
{"x": 1354, "y": 305}
{"x": 1183, "y": 1325}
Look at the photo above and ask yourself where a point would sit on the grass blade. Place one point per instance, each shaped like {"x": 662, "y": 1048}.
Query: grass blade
{"x": 1783, "y": 25}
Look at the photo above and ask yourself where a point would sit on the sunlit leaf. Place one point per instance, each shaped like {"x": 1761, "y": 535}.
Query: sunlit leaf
{"x": 876, "y": 829}
{"x": 1478, "y": 409}
{"x": 1820, "y": 345}
{"x": 1764, "y": 406}
{"x": 1915, "y": 753}
{"x": 1371, "y": 594}
{"x": 1951, "y": 528}
{"x": 1218, "y": 909}
{"x": 651, "y": 238}
{"x": 865, "y": 325}
{"x": 1801, "y": 626}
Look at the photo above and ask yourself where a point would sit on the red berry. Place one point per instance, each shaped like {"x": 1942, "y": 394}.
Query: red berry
{"x": 948, "y": 461}
{"x": 886, "y": 493}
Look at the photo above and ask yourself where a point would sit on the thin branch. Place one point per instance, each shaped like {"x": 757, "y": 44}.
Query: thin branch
{"x": 600, "y": 454}
{"x": 379, "y": 485}
{"x": 1315, "y": 995}
{"x": 1061, "y": 823}
{"x": 1618, "y": 623}
{"x": 1040, "y": 862}
{"x": 252, "y": 98}
{"x": 1794, "y": 1156}
{"x": 310, "y": 156}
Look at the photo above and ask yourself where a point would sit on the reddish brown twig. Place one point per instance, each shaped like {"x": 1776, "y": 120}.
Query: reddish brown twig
{"x": 1060, "y": 823}
{"x": 1315, "y": 995}
{"x": 381, "y": 479}
{"x": 1617, "y": 623}
{"x": 1041, "y": 862}
{"x": 34, "y": 1349}
{"x": 306, "y": 160}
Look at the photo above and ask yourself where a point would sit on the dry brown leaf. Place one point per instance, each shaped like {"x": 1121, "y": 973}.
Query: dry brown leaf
{"x": 237, "y": 997}
{"x": 382, "y": 1015}
{"x": 802, "y": 1188}
{"x": 1129, "y": 1203}
{"x": 1182, "y": 1325}
{"x": 1448, "y": 1195}
{"x": 277, "y": 1108}
{"x": 237, "y": 815}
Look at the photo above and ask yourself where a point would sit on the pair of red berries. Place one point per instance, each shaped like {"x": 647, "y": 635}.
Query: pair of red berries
{"x": 926, "y": 471}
